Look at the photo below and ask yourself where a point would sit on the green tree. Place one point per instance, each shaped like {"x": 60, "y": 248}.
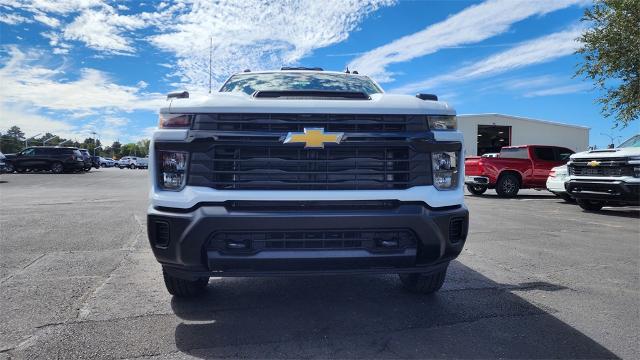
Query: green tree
{"x": 611, "y": 52}
{"x": 143, "y": 145}
{"x": 116, "y": 147}
{"x": 15, "y": 133}
{"x": 12, "y": 140}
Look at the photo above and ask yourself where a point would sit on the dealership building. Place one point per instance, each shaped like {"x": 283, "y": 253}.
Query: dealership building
{"x": 487, "y": 133}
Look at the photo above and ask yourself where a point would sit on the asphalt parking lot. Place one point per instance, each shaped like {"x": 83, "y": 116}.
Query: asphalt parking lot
{"x": 538, "y": 278}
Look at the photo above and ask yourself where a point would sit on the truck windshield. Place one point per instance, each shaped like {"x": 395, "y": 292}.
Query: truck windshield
{"x": 633, "y": 142}
{"x": 249, "y": 83}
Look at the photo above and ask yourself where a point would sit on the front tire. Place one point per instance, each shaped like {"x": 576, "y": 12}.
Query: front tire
{"x": 184, "y": 288}
{"x": 476, "y": 189}
{"x": 423, "y": 284}
{"x": 590, "y": 205}
{"x": 57, "y": 168}
{"x": 132, "y": 166}
{"x": 10, "y": 168}
{"x": 508, "y": 186}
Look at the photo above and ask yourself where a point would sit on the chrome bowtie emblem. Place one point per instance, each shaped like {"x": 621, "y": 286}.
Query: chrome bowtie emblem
{"x": 313, "y": 138}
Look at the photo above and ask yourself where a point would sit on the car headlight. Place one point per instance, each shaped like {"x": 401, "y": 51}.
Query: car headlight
{"x": 172, "y": 167}
{"x": 442, "y": 122}
{"x": 445, "y": 170}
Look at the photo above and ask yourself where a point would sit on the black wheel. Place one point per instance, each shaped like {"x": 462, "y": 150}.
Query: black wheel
{"x": 184, "y": 288}
{"x": 87, "y": 169}
{"x": 590, "y": 205}
{"x": 423, "y": 284}
{"x": 21, "y": 170}
{"x": 132, "y": 166}
{"x": 57, "y": 168}
{"x": 10, "y": 167}
{"x": 508, "y": 186}
{"x": 476, "y": 189}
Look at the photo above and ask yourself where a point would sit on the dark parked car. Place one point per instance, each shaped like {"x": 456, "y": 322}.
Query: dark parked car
{"x": 95, "y": 161}
{"x": 88, "y": 163}
{"x": 3, "y": 165}
{"x": 56, "y": 159}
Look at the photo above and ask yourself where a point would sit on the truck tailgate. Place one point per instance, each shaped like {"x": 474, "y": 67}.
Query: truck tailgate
{"x": 471, "y": 166}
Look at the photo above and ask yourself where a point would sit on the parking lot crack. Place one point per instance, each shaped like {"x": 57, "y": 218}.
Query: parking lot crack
{"x": 23, "y": 268}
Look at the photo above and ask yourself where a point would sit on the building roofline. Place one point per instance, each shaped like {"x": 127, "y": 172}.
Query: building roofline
{"x": 527, "y": 119}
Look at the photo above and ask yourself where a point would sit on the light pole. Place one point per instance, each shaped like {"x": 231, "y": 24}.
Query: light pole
{"x": 26, "y": 141}
{"x": 64, "y": 142}
{"x": 51, "y": 138}
{"x": 95, "y": 142}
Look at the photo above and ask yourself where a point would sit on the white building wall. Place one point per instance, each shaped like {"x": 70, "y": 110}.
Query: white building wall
{"x": 524, "y": 132}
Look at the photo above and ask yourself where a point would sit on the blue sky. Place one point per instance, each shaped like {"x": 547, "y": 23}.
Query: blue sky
{"x": 77, "y": 66}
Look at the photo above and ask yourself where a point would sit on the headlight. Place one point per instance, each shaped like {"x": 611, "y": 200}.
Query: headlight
{"x": 445, "y": 170}
{"x": 172, "y": 169}
{"x": 174, "y": 121}
{"x": 442, "y": 122}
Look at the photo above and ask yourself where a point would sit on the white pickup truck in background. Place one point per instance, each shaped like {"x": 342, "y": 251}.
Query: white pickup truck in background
{"x": 607, "y": 177}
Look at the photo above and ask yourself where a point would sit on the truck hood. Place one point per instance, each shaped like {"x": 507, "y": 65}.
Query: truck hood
{"x": 607, "y": 153}
{"x": 243, "y": 103}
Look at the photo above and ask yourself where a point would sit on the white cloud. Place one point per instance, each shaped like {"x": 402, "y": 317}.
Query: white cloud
{"x": 560, "y": 90}
{"x": 532, "y": 52}
{"x": 116, "y": 121}
{"x": 252, "y": 34}
{"x": 49, "y": 21}
{"x": 96, "y": 23}
{"x": 473, "y": 24}
{"x": 13, "y": 19}
{"x": 103, "y": 30}
{"x": 61, "y": 7}
{"x": 27, "y": 84}
{"x": 32, "y": 123}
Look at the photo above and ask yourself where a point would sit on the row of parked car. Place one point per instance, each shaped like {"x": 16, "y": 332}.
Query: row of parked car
{"x": 63, "y": 159}
{"x": 593, "y": 179}
{"x": 126, "y": 162}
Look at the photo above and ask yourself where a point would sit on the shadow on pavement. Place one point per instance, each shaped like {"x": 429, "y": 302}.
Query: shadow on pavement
{"x": 372, "y": 317}
{"x": 633, "y": 213}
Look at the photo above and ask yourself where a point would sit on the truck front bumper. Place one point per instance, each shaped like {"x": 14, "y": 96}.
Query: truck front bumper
{"x": 607, "y": 191}
{"x": 300, "y": 238}
{"x": 476, "y": 180}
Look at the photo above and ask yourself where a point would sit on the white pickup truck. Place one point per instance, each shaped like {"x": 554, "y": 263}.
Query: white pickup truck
{"x": 305, "y": 171}
{"x": 607, "y": 177}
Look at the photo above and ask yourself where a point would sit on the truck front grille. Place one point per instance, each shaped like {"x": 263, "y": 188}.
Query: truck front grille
{"x": 286, "y": 167}
{"x": 600, "y": 170}
{"x": 234, "y": 242}
{"x": 297, "y": 122}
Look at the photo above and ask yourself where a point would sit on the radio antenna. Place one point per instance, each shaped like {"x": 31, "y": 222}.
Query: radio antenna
{"x": 210, "y": 54}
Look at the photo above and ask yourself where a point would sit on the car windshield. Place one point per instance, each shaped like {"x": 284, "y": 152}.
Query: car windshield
{"x": 633, "y": 142}
{"x": 249, "y": 83}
